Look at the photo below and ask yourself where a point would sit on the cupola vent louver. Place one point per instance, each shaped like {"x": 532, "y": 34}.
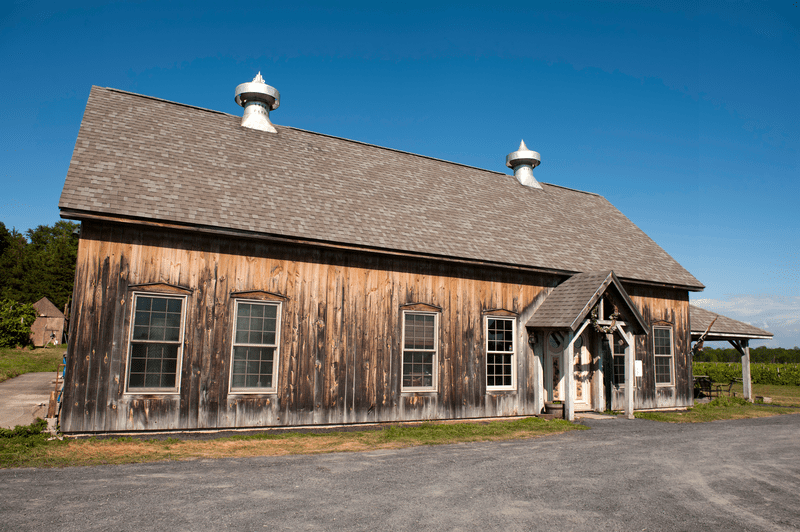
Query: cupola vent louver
{"x": 523, "y": 161}
{"x": 258, "y": 99}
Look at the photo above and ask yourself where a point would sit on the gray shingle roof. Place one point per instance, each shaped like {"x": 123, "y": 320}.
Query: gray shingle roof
{"x": 570, "y": 302}
{"x": 723, "y": 328}
{"x": 45, "y": 307}
{"x": 150, "y": 159}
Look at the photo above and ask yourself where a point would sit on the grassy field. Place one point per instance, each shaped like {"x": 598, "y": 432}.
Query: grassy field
{"x": 780, "y": 395}
{"x": 28, "y": 447}
{"x": 719, "y": 409}
{"x": 15, "y": 361}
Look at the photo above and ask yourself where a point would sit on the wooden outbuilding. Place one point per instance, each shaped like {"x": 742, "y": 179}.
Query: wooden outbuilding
{"x": 49, "y": 325}
{"x": 237, "y": 277}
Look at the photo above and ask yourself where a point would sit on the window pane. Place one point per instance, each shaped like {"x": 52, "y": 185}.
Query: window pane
{"x": 419, "y": 350}
{"x": 500, "y": 351}
{"x": 251, "y": 325}
{"x": 141, "y": 318}
{"x": 252, "y": 367}
{"x": 663, "y": 370}
{"x": 153, "y": 321}
{"x": 153, "y": 366}
{"x": 619, "y": 369}
{"x": 156, "y": 333}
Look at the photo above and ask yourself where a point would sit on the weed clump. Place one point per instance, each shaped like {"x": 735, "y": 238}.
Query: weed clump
{"x": 723, "y": 402}
{"x": 17, "y": 444}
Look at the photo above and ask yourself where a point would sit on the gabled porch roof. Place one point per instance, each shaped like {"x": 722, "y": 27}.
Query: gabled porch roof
{"x": 570, "y": 303}
{"x": 724, "y": 328}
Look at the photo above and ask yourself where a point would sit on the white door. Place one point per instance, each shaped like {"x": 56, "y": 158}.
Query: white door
{"x": 581, "y": 363}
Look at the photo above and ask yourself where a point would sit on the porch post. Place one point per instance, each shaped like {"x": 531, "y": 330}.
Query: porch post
{"x": 747, "y": 383}
{"x": 598, "y": 383}
{"x": 569, "y": 378}
{"x": 630, "y": 380}
{"x": 538, "y": 370}
{"x": 609, "y": 379}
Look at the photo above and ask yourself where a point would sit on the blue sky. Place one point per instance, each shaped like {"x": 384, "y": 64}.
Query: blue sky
{"x": 684, "y": 115}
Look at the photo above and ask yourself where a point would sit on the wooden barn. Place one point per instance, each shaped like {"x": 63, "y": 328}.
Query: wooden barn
{"x": 49, "y": 325}
{"x": 234, "y": 273}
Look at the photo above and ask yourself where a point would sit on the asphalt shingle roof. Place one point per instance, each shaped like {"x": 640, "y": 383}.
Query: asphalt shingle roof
{"x": 701, "y": 318}
{"x": 570, "y": 302}
{"x": 140, "y": 157}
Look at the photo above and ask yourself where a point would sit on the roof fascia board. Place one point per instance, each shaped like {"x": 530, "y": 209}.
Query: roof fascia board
{"x": 75, "y": 214}
{"x": 639, "y": 318}
{"x": 721, "y": 337}
{"x": 70, "y": 214}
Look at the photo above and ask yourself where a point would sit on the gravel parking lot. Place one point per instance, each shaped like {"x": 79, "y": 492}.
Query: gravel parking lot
{"x": 621, "y": 475}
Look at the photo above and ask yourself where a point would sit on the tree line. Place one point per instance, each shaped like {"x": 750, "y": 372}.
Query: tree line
{"x": 762, "y": 354}
{"x": 38, "y": 263}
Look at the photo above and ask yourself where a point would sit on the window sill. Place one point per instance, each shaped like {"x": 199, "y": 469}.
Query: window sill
{"x": 500, "y": 391}
{"x": 253, "y": 392}
{"x": 152, "y": 392}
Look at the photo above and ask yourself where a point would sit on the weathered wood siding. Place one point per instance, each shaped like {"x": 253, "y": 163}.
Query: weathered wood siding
{"x": 340, "y": 353}
{"x": 667, "y": 307}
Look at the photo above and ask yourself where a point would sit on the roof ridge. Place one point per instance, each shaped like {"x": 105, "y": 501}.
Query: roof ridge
{"x": 573, "y": 189}
{"x": 145, "y": 96}
{"x": 363, "y": 143}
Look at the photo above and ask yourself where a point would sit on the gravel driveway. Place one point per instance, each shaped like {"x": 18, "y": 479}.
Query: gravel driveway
{"x": 621, "y": 475}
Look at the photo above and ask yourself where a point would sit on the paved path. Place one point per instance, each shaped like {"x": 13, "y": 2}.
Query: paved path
{"x": 24, "y": 398}
{"x": 621, "y": 475}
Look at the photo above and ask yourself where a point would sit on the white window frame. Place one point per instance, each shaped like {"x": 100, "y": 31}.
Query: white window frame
{"x": 180, "y": 343}
{"x": 513, "y": 352}
{"x": 614, "y": 355}
{"x": 671, "y": 357}
{"x": 275, "y": 359}
{"x": 435, "y": 351}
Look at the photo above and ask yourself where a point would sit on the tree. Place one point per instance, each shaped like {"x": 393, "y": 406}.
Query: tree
{"x": 15, "y": 323}
{"x": 41, "y": 265}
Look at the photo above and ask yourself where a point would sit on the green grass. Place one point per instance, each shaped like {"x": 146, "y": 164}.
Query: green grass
{"x": 718, "y": 409}
{"x": 786, "y": 395}
{"x": 28, "y": 447}
{"x": 16, "y": 361}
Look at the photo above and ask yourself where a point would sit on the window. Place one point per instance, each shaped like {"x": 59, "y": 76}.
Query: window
{"x": 420, "y": 340}
{"x": 556, "y": 341}
{"x": 619, "y": 362}
{"x": 500, "y": 363}
{"x": 662, "y": 349}
{"x": 156, "y": 344}
{"x": 255, "y": 347}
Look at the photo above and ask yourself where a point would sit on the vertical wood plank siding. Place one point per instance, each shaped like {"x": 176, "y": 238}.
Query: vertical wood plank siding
{"x": 667, "y": 307}
{"x": 341, "y": 324}
{"x": 341, "y": 328}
